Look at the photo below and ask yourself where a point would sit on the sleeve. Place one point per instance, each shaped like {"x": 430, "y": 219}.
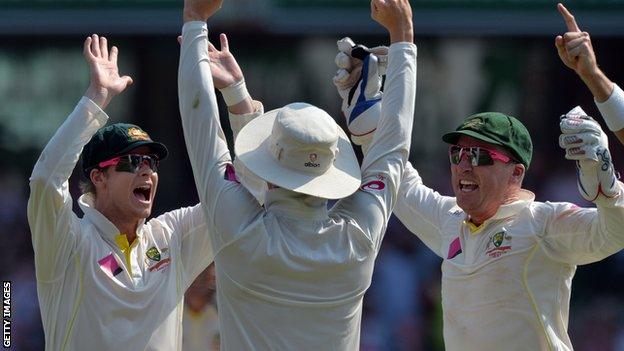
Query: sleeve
{"x": 421, "y": 209}
{"x": 612, "y": 110}
{"x": 254, "y": 184}
{"x": 578, "y": 235}
{"x": 384, "y": 163}
{"x": 53, "y": 225}
{"x": 206, "y": 143}
{"x": 196, "y": 247}
{"x": 237, "y": 122}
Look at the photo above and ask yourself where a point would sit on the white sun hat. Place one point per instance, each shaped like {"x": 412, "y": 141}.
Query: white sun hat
{"x": 301, "y": 148}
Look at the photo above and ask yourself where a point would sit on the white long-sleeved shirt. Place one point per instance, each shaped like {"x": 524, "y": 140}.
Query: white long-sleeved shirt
{"x": 292, "y": 274}
{"x": 94, "y": 293}
{"x": 506, "y": 284}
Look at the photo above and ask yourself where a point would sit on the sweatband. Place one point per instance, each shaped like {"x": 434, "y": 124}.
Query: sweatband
{"x": 235, "y": 93}
{"x": 612, "y": 110}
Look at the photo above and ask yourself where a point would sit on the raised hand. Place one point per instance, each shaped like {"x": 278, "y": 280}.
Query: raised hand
{"x": 223, "y": 65}
{"x": 359, "y": 81}
{"x": 584, "y": 141}
{"x": 104, "y": 73}
{"x": 575, "y": 47}
{"x": 396, "y": 17}
{"x": 200, "y": 10}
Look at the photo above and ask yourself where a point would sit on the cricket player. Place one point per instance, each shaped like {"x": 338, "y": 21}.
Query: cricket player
{"x": 508, "y": 260}
{"x": 110, "y": 280}
{"x": 292, "y": 274}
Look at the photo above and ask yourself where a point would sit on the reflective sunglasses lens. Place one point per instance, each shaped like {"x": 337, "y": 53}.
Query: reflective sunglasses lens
{"x": 484, "y": 158}
{"x": 455, "y": 154}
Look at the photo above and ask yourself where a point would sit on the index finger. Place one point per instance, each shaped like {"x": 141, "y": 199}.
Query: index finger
{"x": 568, "y": 18}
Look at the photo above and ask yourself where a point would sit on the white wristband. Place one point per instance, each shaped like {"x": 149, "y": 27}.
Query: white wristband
{"x": 612, "y": 110}
{"x": 235, "y": 93}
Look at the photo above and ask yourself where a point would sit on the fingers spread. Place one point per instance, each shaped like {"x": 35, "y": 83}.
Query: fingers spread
{"x": 225, "y": 46}
{"x": 212, "y": 48}
{"x": 95, "y": 46}
{"x": 104, "y": 47}
{"x": 113, "y": 54}
{"x": 87, "y": 49}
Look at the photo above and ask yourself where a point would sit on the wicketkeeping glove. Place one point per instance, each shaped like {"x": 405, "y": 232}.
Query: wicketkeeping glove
{"x": 359, "y": 83}
{"x": 584, "y": 141}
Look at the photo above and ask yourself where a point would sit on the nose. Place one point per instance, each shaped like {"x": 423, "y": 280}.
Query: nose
{"x": 464, "y": 163}
{"x": 144, "y": 169}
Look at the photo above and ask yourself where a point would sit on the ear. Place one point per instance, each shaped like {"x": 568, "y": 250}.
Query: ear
{"x": 98, "y": 177}
{"x": 517, "y": 174}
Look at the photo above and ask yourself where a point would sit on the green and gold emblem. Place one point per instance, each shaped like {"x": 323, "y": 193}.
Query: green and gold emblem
{"x": 153, "y": 254}
{"x": 497, "y": 239}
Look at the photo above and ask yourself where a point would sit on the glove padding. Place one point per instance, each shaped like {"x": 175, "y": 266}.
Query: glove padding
{"x": 584, "y": 141}
{"x": 359, "y": 83}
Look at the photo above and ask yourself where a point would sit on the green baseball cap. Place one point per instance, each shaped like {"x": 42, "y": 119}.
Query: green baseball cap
{"x": 498, "y": 129}
{"x": 116, "y": 140}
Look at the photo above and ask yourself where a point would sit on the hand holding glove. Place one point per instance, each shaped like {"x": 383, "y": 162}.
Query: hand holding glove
{"x": 359, "y": 83}
{"x": 584, "y": 141}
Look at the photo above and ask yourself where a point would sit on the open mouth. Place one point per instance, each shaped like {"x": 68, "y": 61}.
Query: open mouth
{"x": 143, "y": 192}
{"x": 467, "y": 186}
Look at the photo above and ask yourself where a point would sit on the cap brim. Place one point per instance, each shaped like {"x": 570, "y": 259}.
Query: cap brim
{"x": 158, "y": 148}
{"x": 342, "y": 179}
{"x": 453, "y": 137}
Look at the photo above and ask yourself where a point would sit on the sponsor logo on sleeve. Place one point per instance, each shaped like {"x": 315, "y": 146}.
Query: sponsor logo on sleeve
{"x": 375, "y": 185}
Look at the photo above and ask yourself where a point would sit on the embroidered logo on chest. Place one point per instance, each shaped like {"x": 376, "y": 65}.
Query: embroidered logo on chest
{"x": 498, "y": 244}
{"x": 157, "y": 260}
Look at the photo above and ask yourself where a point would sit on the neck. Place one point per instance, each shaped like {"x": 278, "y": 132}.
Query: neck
{"x": 125, "y": 224}
{"x": 511, "y": 196}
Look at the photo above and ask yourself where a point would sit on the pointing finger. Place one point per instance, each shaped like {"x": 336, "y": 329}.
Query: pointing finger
{"x": 568, "y": 18}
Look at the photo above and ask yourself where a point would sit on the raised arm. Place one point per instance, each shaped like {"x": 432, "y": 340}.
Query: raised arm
{"x": 50, "y": 213}
{"x": 204, "y": 137}
{"x": 385, "y": 160}
{"x": 580, "y": 235}
{"x": 577, "y": 53}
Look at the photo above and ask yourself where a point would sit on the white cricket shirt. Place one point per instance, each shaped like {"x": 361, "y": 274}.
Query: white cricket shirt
{"x": 94, "y": 293}
{"x": 292, "y": 275}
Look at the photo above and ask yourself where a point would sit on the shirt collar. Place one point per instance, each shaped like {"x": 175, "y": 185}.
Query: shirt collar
{"x": 106, "y": 228}
{"x": 525, "y": 198}
{"x": 297, "y": 205}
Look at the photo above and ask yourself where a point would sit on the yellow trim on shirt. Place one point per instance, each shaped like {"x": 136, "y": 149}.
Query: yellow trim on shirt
{"x": 473, "y": 227}
{"x": 122, "y": 243}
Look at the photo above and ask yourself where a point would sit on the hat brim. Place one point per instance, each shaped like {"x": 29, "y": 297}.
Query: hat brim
{"x": 158, "y": 148}
{"x": 453, "y": 137}
{"x": 342, "y": 179}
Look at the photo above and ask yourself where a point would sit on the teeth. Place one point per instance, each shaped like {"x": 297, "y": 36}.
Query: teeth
{"x": 467, "y": 182}
{"x": 144, "y": 187}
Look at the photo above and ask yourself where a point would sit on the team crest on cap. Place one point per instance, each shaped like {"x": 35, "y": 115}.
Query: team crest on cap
{"x": 137, "y": 134}
{"x": 474, "y": 123}
{"x": 313, "y": 157}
